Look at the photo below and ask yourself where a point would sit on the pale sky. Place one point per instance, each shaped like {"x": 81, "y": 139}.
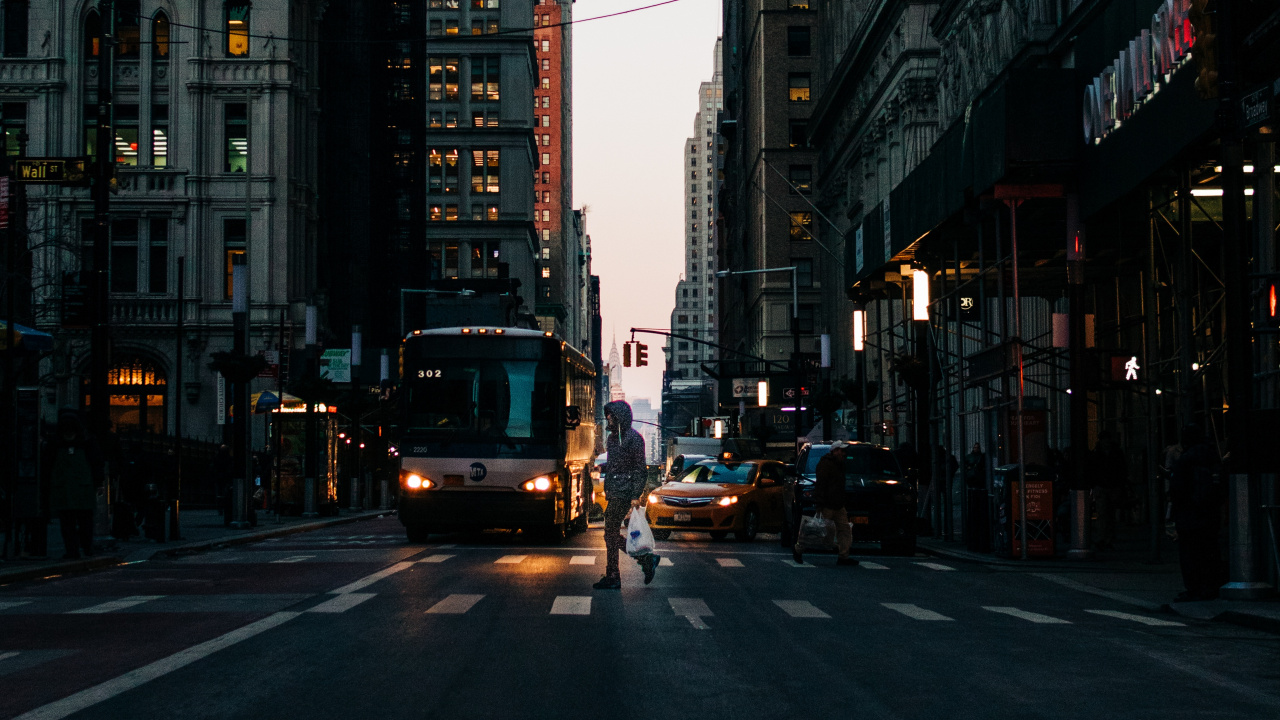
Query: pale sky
{"x": 635, "y": 95}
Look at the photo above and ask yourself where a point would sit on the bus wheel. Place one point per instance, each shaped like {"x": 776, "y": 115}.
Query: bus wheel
{"x": 417, "y": 533}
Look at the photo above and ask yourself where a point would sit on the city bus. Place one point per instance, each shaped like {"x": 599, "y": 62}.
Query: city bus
{"x": 496, "y": 430}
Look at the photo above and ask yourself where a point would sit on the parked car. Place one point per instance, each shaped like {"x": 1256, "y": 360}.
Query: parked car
{"x": 881, "y": 501}
{"x": 719, "y": 496}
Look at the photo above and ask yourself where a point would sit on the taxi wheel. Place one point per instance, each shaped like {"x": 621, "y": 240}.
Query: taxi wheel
{"x": 750, "y": 525}
{"x": 719, "y": 534}
{"x": 661, "y": 534}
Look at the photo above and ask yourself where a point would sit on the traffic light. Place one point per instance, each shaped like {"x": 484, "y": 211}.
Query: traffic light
{"x": 1270, "y": 307}
{"x": 626, "y": 354}
{"x": 642, "y": 355}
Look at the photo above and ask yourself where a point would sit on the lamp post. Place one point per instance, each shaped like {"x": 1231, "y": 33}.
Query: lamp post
{"x": 795, "y": 335}
{"x": 355, "y": 421}
{"x": 240, "y": 439}
{"x": 309, "y": 457}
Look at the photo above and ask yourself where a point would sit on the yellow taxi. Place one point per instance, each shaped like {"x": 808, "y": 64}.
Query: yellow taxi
{"x": 720, "y": 496}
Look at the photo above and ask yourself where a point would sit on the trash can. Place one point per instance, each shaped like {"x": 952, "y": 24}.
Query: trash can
{"x": 1008, "y": 508}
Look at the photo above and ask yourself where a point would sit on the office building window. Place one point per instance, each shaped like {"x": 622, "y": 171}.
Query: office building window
{"x": 485, "y": 4}
{"x": 159, "y": 135}
{"x": 546, "y": 101}
{"x": 127, "y": 29}
{"x": 801, "y": 177}
{"x": 16, "y": 28}
{"x": 450, "y": 27}
{"x": 442, "y": 259}
{"x": 546, "y": 159}
{"x": 546, "y": 121}
{"x": 801, "y": 225}
{"x": 485, "y": 118}
{"x": 15, "y": 123}
{"x": 237, "y": 19}
{"x": 484, "y": 258}
{"x": 798, "y": 4}
{"x": 546, "y": 176}
{"x": 442, "y": 79}
{"x": 436, "y": 28}
{"x": 804, "y": 271}
{"x": 234, "y": 241}
{"x": 798, "y": 87}
{"x": 546, "y": 64}
{"x": 450, "y": 213}
{"x": 546, "y": 235}
{"x": 546, "y": 271}
{"x": 158, "y": 256}
{"x": 435, "y": 213}
{"x": 545, "y": 83}
{"x": 546, "y": 253}
{"x": 546, "y": 46}
{"x": 442, "y": 170}
{"x": 484, "y": 78}
{"x": 485, "y": 169}
{"x": 798, "y": 133}
{"x": 806, "y": 318}
{"x": 124, "y": 255}
{"x": 483, "y": 26}
{"x": 236, "y": 132}
{"x": 546, "y": 292}
{"x": 546, "y": 216}
{"x": 126, "y": 129}
{"x": 798, "y": 41}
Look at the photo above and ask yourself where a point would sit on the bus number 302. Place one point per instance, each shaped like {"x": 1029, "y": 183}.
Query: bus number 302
{"x": 430, "y": 373}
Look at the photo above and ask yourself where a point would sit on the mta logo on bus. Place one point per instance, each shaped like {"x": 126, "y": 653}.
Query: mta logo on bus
{"x": 478, "y": 472}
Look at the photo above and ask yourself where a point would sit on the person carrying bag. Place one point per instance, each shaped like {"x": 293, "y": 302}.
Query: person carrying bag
{"x": 624, "y": 485}
{"x": 829, "y": 507}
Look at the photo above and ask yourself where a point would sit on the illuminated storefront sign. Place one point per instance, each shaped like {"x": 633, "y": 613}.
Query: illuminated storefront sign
{"x": 1139, "y": 71}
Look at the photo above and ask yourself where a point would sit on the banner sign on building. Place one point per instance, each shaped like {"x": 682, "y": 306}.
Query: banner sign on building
{"x": 858, "y": 256}
{"x": 888, "y": 238}
{"x": 222, "y": 398}
{"x": 336, "y": 365}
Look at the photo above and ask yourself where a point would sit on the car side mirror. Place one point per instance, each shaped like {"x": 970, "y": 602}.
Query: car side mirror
{"x": 572, "y": 417}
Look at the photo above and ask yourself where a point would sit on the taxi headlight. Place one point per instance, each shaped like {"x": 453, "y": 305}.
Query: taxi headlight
{"x": 538, "y": 484}
{"x": 727, "y": 500}
{"x": 653, "y": 499}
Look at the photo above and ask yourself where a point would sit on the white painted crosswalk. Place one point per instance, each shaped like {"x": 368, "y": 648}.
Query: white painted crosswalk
{"x": 1141, "y": 619}
{"x": 455, "y": 604}
{"x": 800, "y": 609}
{"x": 934, "y": 566}
{"x": 435, "y": 558}
{"x": 1027, "y": 615}
{"x": 341, "y": 603}
{"x": 510, "y": 560}
{"x": 571, "y": 605}
{"x": 729, "y": 562}
{"x": 868, "y": 565}
{"x": 915, "y": 612}
{"x": 582, "y": 560}
{"x": 123, "y": 603}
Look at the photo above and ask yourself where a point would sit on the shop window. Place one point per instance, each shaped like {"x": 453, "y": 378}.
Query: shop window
{"x": 160, "y": 135}
{"x": 237, "y": 19}
{"x": 798, "y": 87}
{"x": 16, "y": 28}
{"x": 126, "y": 128}
{"x": 124, "y": 255}
{"x": 801, "y": 225}
{"x": 137, "y": 390}
{"x": 235, "y": 237}
{"x": 158, "y": 256}
{"x": 236, "y": 132}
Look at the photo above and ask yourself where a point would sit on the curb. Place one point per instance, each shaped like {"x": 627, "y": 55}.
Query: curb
{"x": 1256, "y": 622}
{"x": 18, "y": 574}
{"x": 967, "y": 556}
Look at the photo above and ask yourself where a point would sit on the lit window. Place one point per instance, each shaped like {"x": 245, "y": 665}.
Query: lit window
{"x": 126, "y": 129}
{"x": 546, "y": 253}
{"x": 160, "y": 37}
{"x": 546, "y": 46}
{"x": 546, "y": 101}
{"x": 234, "y": 241}
{"x": 546, "y": 272}
{"x": 546, "y": 160}
{"x": 546, "y": 216}
{"x": 159, "y": 135}
{"x": 801, "y": 225}
{"x": 798, "y": 84}
{"x": 801, "y": 177}
{"x": 442, "y": 78}
{"x": 798, "y": 133}
{"x": 237, "y": 12}
{"x": 546, "y": 121}
{"x": 484, "y": 78}
{"x": 237, "y": 137}
{"x": 546, "y": 83}
{"x": 485, "y": 170}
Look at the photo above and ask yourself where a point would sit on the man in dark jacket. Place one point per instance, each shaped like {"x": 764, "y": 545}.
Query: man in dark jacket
{"x": 75, "y": 468}
{"x": 624, "y": 485}
{"x": 829, "y": 502}
{"x": 1197, "y": 492}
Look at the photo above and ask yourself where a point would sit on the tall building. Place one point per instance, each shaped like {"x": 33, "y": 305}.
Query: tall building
{"x": 615, "y": 374}
{"x": 694, "y": 312}
{"x": 215, "y": 160}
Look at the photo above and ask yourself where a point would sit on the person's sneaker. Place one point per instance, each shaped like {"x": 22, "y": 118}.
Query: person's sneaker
{"x": 846, "y": 561}
{"x": 608, "y": 583}
{"x": 650, "y": 567}
{"x": 797, "y": 555}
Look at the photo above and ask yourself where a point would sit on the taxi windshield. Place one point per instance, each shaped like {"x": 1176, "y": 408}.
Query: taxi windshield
{"x": 715, "y": 472}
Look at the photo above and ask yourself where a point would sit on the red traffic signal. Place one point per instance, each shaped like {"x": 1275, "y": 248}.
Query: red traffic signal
{"x": 642, "y": 355}
{"x": 1270, "y": 308}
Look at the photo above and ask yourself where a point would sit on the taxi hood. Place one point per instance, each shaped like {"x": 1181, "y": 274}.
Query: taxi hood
{"x": 702, "y": 489}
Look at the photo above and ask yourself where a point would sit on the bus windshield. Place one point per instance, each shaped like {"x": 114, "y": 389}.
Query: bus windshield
{"x": 464, "y": 400}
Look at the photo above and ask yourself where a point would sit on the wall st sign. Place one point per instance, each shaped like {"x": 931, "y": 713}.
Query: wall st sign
{"x": 1139, "y": 71}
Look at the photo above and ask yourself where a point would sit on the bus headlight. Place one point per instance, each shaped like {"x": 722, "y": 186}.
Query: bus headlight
{"x": 538, "y": 484}
{"x": 414, "y": 481}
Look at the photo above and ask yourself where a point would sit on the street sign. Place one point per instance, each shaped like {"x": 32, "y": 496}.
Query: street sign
{"x": 53, "y": 171}
{"x": 336, "y": 365}
{"x": 272, "y": 370}
{"x": 745, "y": 387}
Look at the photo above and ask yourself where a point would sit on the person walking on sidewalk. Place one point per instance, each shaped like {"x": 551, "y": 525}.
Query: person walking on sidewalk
{"x": 1197, "y": 492}
{"x": 624, "y": 485}
{"x": 74, "y": 464}
{"x": 829, "y": 502}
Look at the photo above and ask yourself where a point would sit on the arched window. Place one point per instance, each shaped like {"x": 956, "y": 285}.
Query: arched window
{"x": 92, "y": 31}
{"x": 15, "y": 28}
{"x": 137, "y": 389}
{"x": 128, "y": 32}
{"x": 160, "y": 37}
{"x": 238, "y": 28}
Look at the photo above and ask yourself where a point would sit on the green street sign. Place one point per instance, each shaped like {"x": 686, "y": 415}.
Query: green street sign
{"x": 52, "y": 171}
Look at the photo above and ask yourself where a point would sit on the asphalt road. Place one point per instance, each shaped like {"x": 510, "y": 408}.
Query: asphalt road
{"x": 353, "y": 622}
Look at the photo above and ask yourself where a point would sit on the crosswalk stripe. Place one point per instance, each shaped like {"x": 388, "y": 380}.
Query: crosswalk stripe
{"x": 800, "y": 609}
{"x": 934, "y": 566}
{"x": 665, "y": 562}
{"x": 867, "y": 564}
{"x": 1154, "y": 622}
{"x": 7, "y": 655}
{"x": 368, "y": 580}
{"x": 693, "y": 610}
{"x": 916, "y": 612}
{"x": 5, "y": 605}
{"x": 582, "y": 560}
{"x": 792, "y": 563}
{"x": 729, "y": 562}
{"x": 293, "y": 559}
{"x": 341, "y": 603}
{"x": 435, "y": 558}
{"x": 114, "y": 605}
{"x": 454, "y": 604}
{"x": 1028, "y": 616}
{"x": 571, "y": 605}
{"x": 510, "y": 559}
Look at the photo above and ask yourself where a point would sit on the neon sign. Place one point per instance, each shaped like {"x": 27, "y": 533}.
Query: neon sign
{"x": 1139, "y": 71}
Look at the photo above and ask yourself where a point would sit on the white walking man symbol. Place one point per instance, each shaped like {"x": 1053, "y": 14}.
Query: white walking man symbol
{"x": 1131, "y": 369}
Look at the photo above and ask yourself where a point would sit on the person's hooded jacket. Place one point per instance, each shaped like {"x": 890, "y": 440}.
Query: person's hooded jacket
{"x": 626, "y": 473}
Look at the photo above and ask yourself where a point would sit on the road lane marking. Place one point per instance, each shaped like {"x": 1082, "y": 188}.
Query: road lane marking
{"x": 582, "y": 560}
{"x": 114, "y": 605}
{"x": 916, "y": 612}
{"x": 934, "y": 566}
{"x": 293, "y": 559}
{"x": 1028, "y": 616}
{"x": 665, "y": 562}
{"x": 435, "y": 558}
{"x": 571, "y": 605}
{"x": 1154, "y": 622}
{"x": 1118, "y": 597}
{"x": 365, "y": 582}
{"x": 341, "y": 603}
{"x": 105, "y": 691}
{"x": 729, "y": 562}
{"x": 800, "y": 609}
{"x": 7, "y": 655}
{"x": 510, "y": 559}
{"x": 792, "y": 563}
{"x": 868, "y": 565}
{"x": 454, "y": 604}
{"x": 6, "y": 605}
{"x": 693, "y": 610}
{"x": 446, "y": 546}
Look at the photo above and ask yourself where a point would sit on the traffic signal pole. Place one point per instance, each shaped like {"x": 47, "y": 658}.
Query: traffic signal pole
{"x": 99, "y": 362}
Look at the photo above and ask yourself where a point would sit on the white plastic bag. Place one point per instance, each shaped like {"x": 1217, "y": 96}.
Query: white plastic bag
{"x": 639, "y": 536}
{"x": 816, "y": 532}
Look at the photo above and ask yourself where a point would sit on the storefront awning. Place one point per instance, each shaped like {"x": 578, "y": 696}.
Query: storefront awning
{"x": 28, "y": 339}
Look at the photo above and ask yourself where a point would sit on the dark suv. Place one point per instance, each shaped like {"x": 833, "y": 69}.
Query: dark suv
{"x": 881, "y": 501}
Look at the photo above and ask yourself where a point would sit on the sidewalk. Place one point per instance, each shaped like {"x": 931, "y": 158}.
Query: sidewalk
{"x": 1124, "y": 574}
{"x": 201, "y": 530}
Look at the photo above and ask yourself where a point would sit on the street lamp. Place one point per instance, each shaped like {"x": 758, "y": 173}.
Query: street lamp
{"x": 919, "y": 295}
{"x": 859, "y": 330}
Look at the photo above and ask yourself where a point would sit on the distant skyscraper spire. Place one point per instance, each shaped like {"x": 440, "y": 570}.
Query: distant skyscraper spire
{"x": 615, "y": 373}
